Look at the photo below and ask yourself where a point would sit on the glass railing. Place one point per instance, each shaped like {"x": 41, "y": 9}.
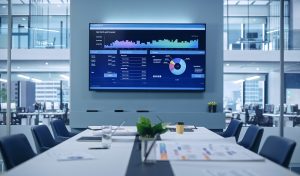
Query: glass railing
{"x": 53, "y": 38}
{"x": 233, "y": 41}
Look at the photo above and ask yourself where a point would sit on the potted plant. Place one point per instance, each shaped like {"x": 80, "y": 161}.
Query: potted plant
{"x": 147, "y": 131}
{"x": 212, "y": 106}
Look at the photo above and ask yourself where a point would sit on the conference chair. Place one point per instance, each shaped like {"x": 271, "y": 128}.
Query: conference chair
{"x": 43, "y": 138}
{"x": 15, "y": 150}
{"x": 278, "y": 149}
{"x": 233, "y": 129}
{"x": 60, "y": 130}
{"x": 252, "y": 138}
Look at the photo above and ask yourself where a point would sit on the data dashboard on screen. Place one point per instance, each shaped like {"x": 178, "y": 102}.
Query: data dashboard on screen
{"x": 147, "y": 56}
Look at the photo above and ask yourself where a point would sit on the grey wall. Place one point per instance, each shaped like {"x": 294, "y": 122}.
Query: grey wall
{"x": 189, "y": 107}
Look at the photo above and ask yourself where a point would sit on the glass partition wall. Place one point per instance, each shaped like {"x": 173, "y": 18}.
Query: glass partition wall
{"x": 254, "y": 25}
{"x": 252, "y": 29}
{"x": 37, "y": 79}
{"x": 37, "y": 24}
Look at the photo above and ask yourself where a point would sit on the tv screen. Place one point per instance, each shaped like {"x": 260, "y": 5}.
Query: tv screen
{"x": 147, "y": 56}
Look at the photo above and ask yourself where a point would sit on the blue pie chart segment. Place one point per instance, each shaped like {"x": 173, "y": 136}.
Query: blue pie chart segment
{"x": 177, "y": 66}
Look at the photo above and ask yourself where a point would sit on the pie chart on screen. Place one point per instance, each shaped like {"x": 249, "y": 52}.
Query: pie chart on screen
{"x": 177, "y": 66}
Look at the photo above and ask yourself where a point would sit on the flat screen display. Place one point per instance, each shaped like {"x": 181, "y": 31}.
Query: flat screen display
{"x": 147, "y": 56}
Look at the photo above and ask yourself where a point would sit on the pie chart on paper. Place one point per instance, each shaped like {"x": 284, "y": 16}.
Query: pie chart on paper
{"x": 177, "y": 66}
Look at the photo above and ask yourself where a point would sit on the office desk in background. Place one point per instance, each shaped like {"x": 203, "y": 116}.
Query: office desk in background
{"x": 30, "y": 115}
{"x": 288, "y": 119}
{"x": 114, "y": 161}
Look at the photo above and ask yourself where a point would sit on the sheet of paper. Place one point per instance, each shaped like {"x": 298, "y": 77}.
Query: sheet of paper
{"x": 227, "y": 172}
{"x": 74, "y": 156}
{"x": 167, "y": 150}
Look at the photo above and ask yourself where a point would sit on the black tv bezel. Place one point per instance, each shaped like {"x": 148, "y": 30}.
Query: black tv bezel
{"x": 150, "y": 89}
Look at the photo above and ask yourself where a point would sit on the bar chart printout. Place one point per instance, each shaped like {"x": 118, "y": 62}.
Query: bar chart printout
{"x": 204, "y": 151}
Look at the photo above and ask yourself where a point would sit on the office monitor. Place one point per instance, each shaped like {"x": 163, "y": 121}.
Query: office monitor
{"x": 13, "y": 106}
{"x": 147, "y": 56}
{"x": 48, "y": 106}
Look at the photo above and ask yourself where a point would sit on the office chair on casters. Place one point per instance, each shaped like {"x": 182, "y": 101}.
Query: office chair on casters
{"x": 15, "y": 150}
{"x": 60, "y": 130}
{"x": 233, "y": 129}
{"x": 43, "y": 138}
{"x": 261, "y": 120}
{"x": 252, "y": 138}
{"x": 278, "y": 149}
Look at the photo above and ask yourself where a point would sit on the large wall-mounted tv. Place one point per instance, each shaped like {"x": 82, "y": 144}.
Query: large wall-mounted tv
{"x": 147, "y": 56}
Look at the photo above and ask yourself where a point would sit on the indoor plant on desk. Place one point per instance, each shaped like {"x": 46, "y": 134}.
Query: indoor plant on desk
{"x": 147, "y": 131}
{"x": 212, "y": 106}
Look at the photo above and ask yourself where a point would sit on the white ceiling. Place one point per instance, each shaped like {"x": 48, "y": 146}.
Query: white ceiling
{"x": 36, "y": 1}
{"x": 246, "y": 2}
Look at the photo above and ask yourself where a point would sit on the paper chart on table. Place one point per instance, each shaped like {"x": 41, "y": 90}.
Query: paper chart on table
{"x": 167, "y": 150}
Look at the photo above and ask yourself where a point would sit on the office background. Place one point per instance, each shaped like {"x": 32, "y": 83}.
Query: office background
{"x": 249, "y": 37}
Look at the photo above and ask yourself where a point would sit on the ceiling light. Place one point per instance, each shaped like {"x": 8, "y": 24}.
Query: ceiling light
{"x": 252, "y": 78}
{"x": 3, "y": 6}
{"x": 260, "y": 2}
{"x": 276, "y": 30}
{"x": 46, "y": 30}
{"x": 23, "y": 76}
{"x": 238, "y": 81}
{"x": 18, "y": 67}
{"x": 24, "y": 19}
{"x": 36, "y": 80}
{"x": 245, "y": 2}
{"x": 257, "y": 69}
{"x": 227, "y": 65}
{"x": 65, "y": 77}
{"x": 46, "y": 63}
{"x": 3, "y": 80}
{"x": 230, "y": 2}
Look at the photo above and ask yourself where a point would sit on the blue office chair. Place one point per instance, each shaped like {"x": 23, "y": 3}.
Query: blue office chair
{"x": 43, "y": 138}
{"x": 60, "y": 130}
{"x": 278, "y": 149}
{"x": 252, "y": 138}
{"x": 233, "y": 129}
{"x": 15, "y": 150}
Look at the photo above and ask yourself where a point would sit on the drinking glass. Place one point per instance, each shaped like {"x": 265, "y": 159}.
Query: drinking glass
{"x": 106, "y": 136}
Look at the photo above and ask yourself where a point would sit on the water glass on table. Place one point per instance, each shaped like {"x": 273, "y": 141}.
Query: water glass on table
{"x": 106, "y": 136}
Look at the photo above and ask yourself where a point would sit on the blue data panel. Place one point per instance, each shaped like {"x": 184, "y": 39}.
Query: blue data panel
{"x": 147, "y": 56}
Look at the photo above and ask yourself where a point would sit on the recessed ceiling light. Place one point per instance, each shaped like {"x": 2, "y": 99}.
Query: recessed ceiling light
{"x": 3, "y": 6}
{"x": 18, "y": 67}
{"x": 227, "y": 65}
{"x": 36, "y": 80}
{"x": 238, "y": 81}
{"x": 46, "y": 63}
{"x": 23, "y": 76}
{"x": 24, "y": 19}
{"x": 252, "y": 78}
{"x": 257, "y": 69}
{"x": 65, "y": 76}
{"x": 245, "y": 2}
{"x": 260, "y": 2}
{"x": 3, "y": 80}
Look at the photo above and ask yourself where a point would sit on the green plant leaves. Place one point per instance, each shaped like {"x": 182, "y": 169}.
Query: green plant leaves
{"x": 145, "y": 128}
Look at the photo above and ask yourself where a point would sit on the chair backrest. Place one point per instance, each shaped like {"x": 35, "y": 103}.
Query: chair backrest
{"x": 59, "y": 128}
{"x": 233, "y": 129}
{"x": 43, "y": 138}
{"x": 15, "y": 150}
{"x": 252, "y": 138}
{"x": 278, "y": 149}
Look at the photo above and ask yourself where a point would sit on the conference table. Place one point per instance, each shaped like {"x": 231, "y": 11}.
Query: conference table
{"x": 122, "y": 158}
